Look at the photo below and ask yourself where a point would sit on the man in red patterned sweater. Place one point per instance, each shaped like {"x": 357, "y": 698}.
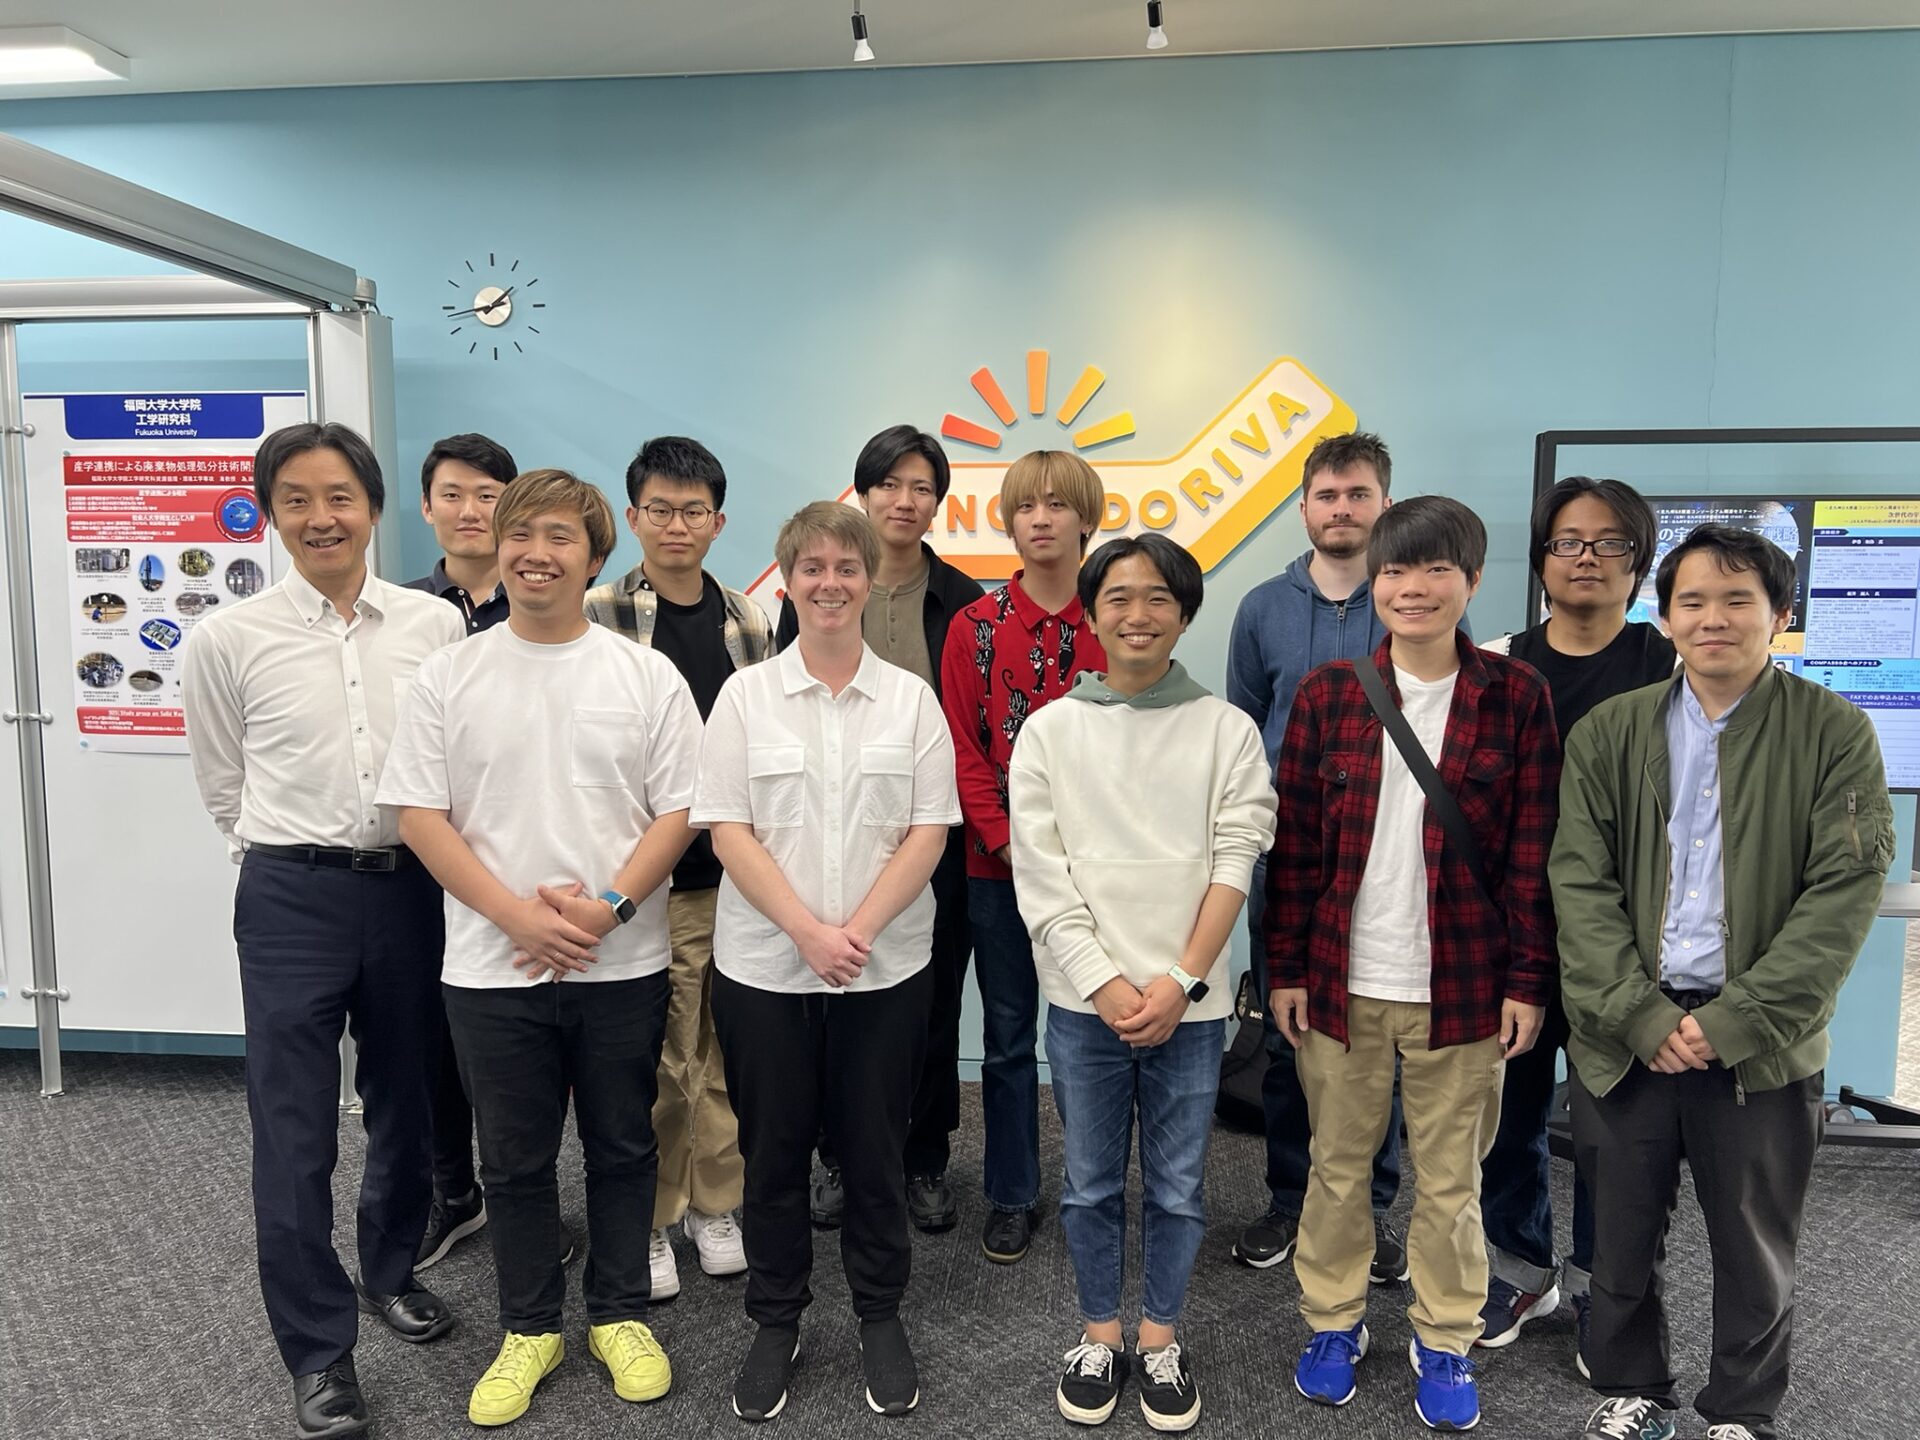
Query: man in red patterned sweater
{"x": 1007, "y": 654}
{"x": 1385, "y": 942}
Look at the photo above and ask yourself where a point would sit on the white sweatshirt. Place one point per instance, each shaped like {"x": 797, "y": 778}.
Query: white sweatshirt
{"x": 1122, "y": 817}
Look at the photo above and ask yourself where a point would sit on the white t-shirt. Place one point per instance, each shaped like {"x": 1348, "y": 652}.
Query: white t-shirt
{"x": 551, "y": 761}
{"x": 831, "y": 785}
{"x": 1390, "y": 950}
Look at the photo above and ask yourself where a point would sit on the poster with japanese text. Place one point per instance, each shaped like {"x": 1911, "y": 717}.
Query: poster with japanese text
{"x": 161, "y": 528}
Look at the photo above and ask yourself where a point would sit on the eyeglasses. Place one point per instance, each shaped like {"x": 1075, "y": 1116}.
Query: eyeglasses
{"x": 1567, "y": 548}
{"x": 660, "y": 514}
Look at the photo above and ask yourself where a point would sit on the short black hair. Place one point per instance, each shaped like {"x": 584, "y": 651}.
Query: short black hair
{"x": 1631, "y": 514}
{"x": 488, "y": 456}
{"x": 683, "y": 461}
{"x": 1179, "y": 569}
{"x": 1340, "y": 452}
{"x": 1427, "y": 528}
{"x": 291, "y": 440}
{"x": 885, "y": 450}
{"x": 1734, "y": 550}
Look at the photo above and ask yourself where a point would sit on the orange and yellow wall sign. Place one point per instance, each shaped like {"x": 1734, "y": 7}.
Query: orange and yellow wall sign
{"x": 1238, "y": 469}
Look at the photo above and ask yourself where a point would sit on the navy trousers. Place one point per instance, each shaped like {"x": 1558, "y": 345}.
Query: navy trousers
{"x": 323, "y": 950}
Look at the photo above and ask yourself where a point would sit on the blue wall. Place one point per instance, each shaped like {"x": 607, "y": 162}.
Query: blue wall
{"x": 1468, "y": 245}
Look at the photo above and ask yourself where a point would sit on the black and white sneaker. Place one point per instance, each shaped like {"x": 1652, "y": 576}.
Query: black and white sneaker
{"x": 1168, "y": 1397}
{"x": 1267, "y": 1241}
{"x": 1629, "y": 1418}
{"x": 1389, "y": 1254}
{"x": 760, "y": 1389}
{"x": 893, "y": 1381}
{"x": 448, "y": 1223}
{"x": 1091, "y": 1386}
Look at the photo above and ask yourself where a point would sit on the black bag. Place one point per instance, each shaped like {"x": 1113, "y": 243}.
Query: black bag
{"x": 1243, "y": 1068}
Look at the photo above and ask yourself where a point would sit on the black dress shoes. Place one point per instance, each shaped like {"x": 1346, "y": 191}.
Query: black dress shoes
{"x": 417, "y": 1315}
{"x": 328, "y": 1402}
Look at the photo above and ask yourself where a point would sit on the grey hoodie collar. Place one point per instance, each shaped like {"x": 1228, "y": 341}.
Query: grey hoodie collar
{"x": 1176, "y": 687}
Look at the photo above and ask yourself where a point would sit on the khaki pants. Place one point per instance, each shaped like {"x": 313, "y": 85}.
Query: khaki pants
{"x": 1451, "y": 1098}
{"x": 693, "y": 1120}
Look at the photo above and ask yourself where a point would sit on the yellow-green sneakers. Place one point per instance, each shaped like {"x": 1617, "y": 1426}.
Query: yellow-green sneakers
{"x": 506, "y": 1390}
{"x": 633, "y": 1357}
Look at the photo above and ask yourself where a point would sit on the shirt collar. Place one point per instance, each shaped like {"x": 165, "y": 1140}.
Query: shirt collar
{"x": 311, "y": 605}
{"x": 1030, "y": 612}
{"x": 795, "y": 677}
{"x": 442, "y": 585}
{"x": 1696, "y": 714}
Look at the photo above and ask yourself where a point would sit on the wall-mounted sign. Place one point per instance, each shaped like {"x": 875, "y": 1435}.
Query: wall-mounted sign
{"x": 161, "y": 526}
{"x": 1238, "y": 469}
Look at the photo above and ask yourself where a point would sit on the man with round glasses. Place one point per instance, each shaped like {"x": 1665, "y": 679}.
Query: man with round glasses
{"x": 1592, "y": 546}
{"x": 676, "y": 487}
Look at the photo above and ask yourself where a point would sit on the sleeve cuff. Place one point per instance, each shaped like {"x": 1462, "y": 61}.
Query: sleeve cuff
{"x": 1651, "y": 1024}
{"x": 1733, "y": 1040}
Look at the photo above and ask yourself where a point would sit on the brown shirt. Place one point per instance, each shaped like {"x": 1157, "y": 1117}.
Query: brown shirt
{"x": 894, "y": 625}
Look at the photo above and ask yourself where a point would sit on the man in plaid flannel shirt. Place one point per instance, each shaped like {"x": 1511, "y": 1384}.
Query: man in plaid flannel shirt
{"x": 1382, "y": 946}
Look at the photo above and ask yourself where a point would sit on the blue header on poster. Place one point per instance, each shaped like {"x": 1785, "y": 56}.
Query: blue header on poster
{"x": 161, "y": 415}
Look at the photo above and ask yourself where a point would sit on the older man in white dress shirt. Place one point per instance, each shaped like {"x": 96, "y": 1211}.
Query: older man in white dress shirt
{"x": 291, "y": 699}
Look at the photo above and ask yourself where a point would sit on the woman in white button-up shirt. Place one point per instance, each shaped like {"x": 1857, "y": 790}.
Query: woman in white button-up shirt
{"x": 827, "y": 780}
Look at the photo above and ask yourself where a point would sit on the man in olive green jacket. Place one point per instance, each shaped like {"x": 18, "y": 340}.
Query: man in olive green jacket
{"x": 1724, "y": 839}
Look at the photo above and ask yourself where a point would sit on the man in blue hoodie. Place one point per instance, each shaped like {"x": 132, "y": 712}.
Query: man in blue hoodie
{"x": 1318, "y": 609}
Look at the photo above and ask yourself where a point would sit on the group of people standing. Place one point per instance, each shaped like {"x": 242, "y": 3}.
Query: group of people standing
{"x": 539, "y": 841}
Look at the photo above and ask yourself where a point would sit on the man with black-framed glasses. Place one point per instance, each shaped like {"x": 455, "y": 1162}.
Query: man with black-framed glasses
{"x": 676, "y": 489}
{"x": 1592, "y": 547}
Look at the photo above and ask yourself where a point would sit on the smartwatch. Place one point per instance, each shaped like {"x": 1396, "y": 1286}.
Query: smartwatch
{"x": 1196, "y": 989}
{"x": 623, "y": 908}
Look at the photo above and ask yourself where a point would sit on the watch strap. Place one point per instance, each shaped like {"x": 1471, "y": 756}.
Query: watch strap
{"x": 623, "y": 907}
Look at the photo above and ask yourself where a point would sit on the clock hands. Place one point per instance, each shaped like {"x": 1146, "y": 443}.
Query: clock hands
{"x": 486, "y": 309}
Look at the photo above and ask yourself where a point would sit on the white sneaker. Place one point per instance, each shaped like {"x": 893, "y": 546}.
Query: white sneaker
{"x": 666, "y": 1274}
{"x": 717, "y": 1238}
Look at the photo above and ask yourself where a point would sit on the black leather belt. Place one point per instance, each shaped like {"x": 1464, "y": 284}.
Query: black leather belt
{"x": 1689, "y": 1000}
{"x": 340, "y": 857}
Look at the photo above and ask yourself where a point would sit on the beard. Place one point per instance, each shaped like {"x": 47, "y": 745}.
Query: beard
{"x": 1342, "y": 544}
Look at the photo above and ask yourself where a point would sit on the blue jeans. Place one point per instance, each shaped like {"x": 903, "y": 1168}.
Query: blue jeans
{"x": 1515, "y": 1201}
{"x": 1010, "y": 1071}
{"x": 1099, "y": 1083}
{"x": 1288, "y": 1132}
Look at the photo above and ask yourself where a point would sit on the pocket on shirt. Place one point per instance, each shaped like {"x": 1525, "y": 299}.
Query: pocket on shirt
{"x": 606, "y": 747}
{"x": 886, "y": 786}
{"x": 776, "y": 785}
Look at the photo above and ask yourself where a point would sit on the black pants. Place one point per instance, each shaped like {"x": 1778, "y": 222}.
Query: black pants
{"x": 1751, "y": 1164}
{"x": 522, "y": 1049}
{"x": 452, "y": 1124}
{"x": 936, "y": 1099}
{"x": 796, "y": 1063}
{"x": 322, "y": 950}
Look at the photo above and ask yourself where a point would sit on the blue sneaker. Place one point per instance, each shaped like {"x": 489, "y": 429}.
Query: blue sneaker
{"x": 1445, "y": 1398}
{"x": 1325, "y": 1372}
{"x": 1630, "y": 1419}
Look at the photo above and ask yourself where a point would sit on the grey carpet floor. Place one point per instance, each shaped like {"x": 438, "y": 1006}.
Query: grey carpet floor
{"x": 129, "y": 1305}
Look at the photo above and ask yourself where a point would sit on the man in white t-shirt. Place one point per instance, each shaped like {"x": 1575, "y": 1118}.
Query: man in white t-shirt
{"x": 544, "y": 770}
{"x": 1386, "y": 944}
{"x": 827, "y": 781}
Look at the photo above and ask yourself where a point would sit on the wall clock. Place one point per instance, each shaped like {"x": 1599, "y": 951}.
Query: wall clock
{"x": 496, "y": 308}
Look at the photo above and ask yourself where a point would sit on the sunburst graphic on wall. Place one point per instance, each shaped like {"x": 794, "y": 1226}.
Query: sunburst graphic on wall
{"x": 1118, "y": 426}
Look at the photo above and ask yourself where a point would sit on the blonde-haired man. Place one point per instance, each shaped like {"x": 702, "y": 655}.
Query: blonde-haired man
{"x": 826, "y": 778}
{"x": 568, "y": 756}
{"x": 1007, "y": 654}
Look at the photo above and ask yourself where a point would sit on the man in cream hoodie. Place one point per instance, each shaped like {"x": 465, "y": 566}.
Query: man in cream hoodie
{"x": 1130, "y": 874}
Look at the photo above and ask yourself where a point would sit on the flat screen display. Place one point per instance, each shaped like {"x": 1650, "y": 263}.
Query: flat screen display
{"x": 1856, "y": 610}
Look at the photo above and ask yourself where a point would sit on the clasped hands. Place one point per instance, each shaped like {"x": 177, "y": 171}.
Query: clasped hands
{"x": 1141, "y": 1017}
{"x": 557, "y": 930}
{"x": 1687, "y": 1048}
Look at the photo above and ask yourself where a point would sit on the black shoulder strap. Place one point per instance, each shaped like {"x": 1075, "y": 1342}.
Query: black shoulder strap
{"x": 1445, "y": 808}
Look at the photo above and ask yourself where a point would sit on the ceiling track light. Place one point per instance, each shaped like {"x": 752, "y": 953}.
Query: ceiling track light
{"x": 1156, "y": 28}
{"x": 861, "y": 49}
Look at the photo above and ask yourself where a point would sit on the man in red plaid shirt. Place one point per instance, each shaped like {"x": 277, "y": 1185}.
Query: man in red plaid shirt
{"x": 1382, "y": 946}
